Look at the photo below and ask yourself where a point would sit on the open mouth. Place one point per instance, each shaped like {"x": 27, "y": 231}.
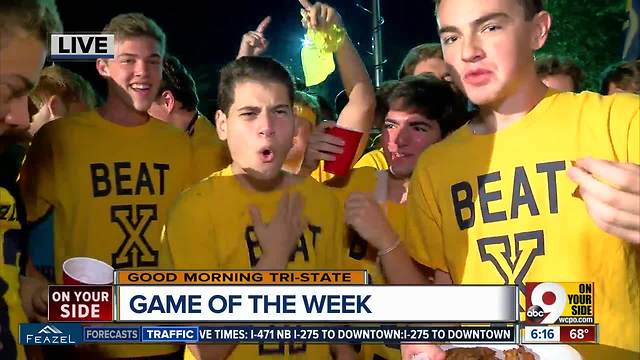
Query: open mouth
{"x": 141, "y": 88}
{"x": 266, "y": 155}
{"x": 395, "y": 156}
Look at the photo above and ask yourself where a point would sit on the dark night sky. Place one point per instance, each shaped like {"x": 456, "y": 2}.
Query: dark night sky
{"x": 206, "y": 34}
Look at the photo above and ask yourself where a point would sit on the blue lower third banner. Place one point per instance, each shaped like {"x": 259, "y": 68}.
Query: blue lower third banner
{"x": 65, "y": 334}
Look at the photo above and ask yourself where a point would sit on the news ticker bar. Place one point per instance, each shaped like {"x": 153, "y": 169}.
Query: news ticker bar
{"x": 64, "y": 334}
{"x": 240, "y": 277}
{"x": 73, "y": 333}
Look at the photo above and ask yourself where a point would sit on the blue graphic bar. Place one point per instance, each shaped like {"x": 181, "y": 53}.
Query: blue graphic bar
{"x": 169, "y": 334}
{"x": 110, "y": 334}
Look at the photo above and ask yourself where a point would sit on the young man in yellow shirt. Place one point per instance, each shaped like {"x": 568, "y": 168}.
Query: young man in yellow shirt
{"x": 218, "y": 223}
{"x": 24, "y": 29}
{"x": 106, "y": 175}
{"x": 500, "y": 201}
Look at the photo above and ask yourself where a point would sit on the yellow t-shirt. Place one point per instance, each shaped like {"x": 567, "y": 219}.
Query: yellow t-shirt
{"x": 11, "y": 311}
{"x": 211, "y": 153}
{"x": 110, "y": 188}
{"x": 209, "y": 227}
{"x": 356, "y": 250}
{"x": 374, "y": 159}
{"x": 498, "y": 209}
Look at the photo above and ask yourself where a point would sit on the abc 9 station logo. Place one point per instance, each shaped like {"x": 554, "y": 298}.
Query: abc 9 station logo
{"x": 547, "y": 303}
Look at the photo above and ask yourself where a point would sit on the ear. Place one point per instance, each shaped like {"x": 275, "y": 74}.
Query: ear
{"x": 542, "y": 25}
{"x": 102, "y": 67}
{"x": 57, "y": 108}
{"x": 221, "y": 125}
{"x": 168, "y": 100}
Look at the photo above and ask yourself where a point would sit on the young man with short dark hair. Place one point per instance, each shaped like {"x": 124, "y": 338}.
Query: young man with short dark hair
{"x": 541, "y": 185}
{"x": 560, "y": 73}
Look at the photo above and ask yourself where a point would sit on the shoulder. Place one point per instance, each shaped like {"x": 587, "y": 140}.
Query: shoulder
{"x": 594, "y": 101}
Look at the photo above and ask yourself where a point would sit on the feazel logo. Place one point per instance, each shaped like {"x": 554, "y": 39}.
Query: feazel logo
{"x": 50, "y": 334}
{"x": 70, "y": 46}
{"x": 560, "y": 303}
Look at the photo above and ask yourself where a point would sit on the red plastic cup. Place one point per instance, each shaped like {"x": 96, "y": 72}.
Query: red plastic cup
{"x": 86, "y": 271}
{"x": 342, "y": 164}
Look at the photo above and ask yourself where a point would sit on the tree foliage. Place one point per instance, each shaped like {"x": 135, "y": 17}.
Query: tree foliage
{"x": 587, "y": 31}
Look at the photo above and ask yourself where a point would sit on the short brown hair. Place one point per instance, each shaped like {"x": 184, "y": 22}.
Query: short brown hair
{"x": 250, "y": 68}
{"x": 625, "y": 76}
{"x": 531, "y": 7}
{"x": 418, "y": 54}
{"x": 554, "y": 65}
{"x": 69, "y": 86}
{"x": 38, "y": 18}
{"x": 131, "y": 25}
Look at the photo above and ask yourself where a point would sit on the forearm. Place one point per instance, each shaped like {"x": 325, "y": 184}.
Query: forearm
{"x": 358, "y": 113}
{"x": 399, "y": 268}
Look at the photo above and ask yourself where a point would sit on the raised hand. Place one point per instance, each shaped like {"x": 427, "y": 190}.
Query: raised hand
{"x": 253, "y": 42}
{"x": 280, "y": 236}
{"x": 611, "y": 192}
{"x": 319, "y": 15}
{"x": 366, "y": 217}
{"x": 322, "y": 146}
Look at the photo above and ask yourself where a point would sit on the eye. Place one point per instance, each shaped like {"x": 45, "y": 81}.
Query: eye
{"x": 248, "y": 113}
{"x": 491, "y": 28}
{"x": 154, "y": 62}
{"x": 388, "y": 125}
{"x": 448, "y": 40}
{"x": 126, "y": 61}
{"x": 282, "y": 112}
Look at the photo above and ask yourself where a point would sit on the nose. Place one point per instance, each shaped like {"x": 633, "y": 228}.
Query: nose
{"x": 266, "y": 124}
{"x": 472, "y": 48}
{"x": 142, "y": 68}
{"x": 18, "y": 114}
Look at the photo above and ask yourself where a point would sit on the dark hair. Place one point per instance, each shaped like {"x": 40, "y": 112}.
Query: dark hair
{"x": 254, "y": 68}
{"x": 176, "y": 78}
{"x": 436, "y": 99}
{"x": 416, "y": 55}
{"x": 531, "y": 7}
{"x": 554, "y": 65}
{"x": 626, "y": 76}
{"x": 38, "y": 18}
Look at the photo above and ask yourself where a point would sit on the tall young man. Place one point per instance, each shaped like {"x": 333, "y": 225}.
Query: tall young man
{"x": 106, "y": 175}
{"x": 220, "y": 223}
{"x": 501, "y": 202}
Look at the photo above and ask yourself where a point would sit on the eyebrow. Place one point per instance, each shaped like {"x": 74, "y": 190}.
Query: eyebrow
{"x": 475, "y": 23}
{"x": 154, "y": 55}
{"x": 26, "y": 84}
{"x": 248, "y": 108}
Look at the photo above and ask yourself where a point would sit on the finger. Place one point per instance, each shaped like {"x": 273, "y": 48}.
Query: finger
{"x": 603, "y": 192}
{"x": 306, "y": 4}
{"x": 632, "y": 236}
{"x": 256, "y": 217}
{"x": 283, "y": 206}
{"x": 328, "y": 139}
{"x": 322, "y": 18}
{"x": 318, "y": 155}
{"x": 331, "y": 15}
{"x": 256, "y": 35}
{"x": 263, "y": 24}
{"x": 313, "y": 16}
{"x": 324, "y": 125}
{"x": 623, "y": 176}
{"x": 610, "y": 215}
{"x": 327, "y": 148}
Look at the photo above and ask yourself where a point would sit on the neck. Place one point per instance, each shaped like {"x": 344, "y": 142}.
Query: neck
{"x": 182, "y": 119}
{"x": 119, "y": 113}
{"x": 252, "y": 182}
{"x": 397, "y": 188}
{"x": 501, "y": 114}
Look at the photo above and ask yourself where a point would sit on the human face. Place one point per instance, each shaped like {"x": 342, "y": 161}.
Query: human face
{"x": 559, "y": 82}
{"x": 135, "y": 72}
{"x": 21, "y": 60}
{"x": 490, "y": 45}
{"x": 435, "y": 66}
{"x": 258, "y": 128}
{"x": 405, "y": 136}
